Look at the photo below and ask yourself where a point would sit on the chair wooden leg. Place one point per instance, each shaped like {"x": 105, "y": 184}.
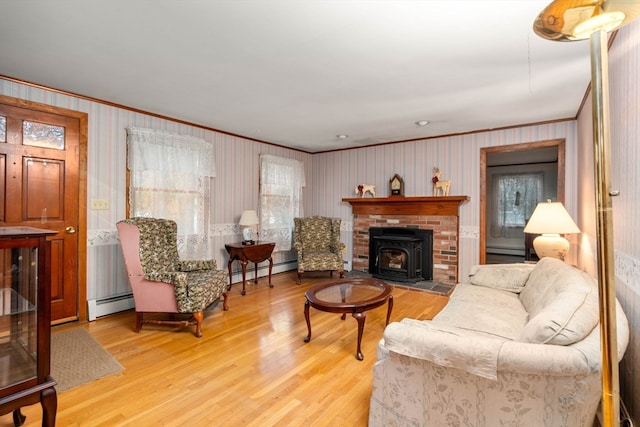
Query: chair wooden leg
{"x": 225, "y": 306}
{"x": 198, "y": 316}
{"x": 138, "y": 321}
{"x": 341, "y": 272}
{"x": 299, "y": 278}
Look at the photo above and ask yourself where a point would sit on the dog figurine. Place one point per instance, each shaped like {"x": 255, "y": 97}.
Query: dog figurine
{"x": 363, "y": 189}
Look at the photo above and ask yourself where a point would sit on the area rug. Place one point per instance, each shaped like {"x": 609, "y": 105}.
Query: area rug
{"x": 77, "y": 358}
{"x": 431, "y": 286}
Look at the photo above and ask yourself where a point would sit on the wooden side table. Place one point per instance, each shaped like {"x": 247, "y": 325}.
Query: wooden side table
{"x": 529, "y": 251}
{"x": 258, "y": 252}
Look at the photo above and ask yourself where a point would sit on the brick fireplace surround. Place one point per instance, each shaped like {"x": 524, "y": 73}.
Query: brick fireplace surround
{"x": 440, "y": 214}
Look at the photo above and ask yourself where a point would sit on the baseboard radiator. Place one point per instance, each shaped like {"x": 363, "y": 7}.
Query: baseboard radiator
{"x": 263, "y": 270}
{"x": 110, "y": 305}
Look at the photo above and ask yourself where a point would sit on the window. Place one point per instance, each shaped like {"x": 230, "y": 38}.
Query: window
{"x": 515, "y": 196}
{"x": 170, "y": 178}
{"x": 281, "y": 182}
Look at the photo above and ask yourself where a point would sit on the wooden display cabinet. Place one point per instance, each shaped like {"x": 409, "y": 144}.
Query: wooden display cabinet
{"x": 25, "y": 323}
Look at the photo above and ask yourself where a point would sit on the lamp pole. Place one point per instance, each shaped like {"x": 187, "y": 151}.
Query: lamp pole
{"x": 568, "y": 20}
{"x": 604, "y": 228}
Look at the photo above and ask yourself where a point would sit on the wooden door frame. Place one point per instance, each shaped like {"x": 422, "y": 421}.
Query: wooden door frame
{"x": 560, "y": 143}
{"x": 83, "y": 119}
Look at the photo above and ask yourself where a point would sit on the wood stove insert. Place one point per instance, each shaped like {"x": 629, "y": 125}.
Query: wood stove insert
{"x": 401, "y": 254}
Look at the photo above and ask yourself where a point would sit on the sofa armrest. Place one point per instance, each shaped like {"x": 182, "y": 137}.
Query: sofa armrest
{"x": 197, "y": 265}
{"x": 173, "y": 277}
{"x": 298, "y": 247}
{"x": 337, "y": 248}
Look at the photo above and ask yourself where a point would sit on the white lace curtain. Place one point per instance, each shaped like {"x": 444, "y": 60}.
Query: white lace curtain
{"x": 515, "y": 196}
{"x": 280, "y": 198}
{"x": 171, "y": 178}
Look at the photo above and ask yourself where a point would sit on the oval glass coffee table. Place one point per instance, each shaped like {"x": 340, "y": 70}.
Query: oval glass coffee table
{"x": 354, "y": 296}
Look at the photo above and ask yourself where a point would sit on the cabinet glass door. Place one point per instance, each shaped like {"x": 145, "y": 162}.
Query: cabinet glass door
{"x": 18, "y": 315}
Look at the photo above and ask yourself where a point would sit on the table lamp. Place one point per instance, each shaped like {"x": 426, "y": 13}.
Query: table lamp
{"x": 550, "y": 219}
{"x": 248, "y": 219}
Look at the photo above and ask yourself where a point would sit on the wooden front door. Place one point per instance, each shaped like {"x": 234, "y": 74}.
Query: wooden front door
{"x": 40, "y": 157}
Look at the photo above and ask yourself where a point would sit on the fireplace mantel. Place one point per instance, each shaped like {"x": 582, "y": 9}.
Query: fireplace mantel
{"x": 407, "y": 205}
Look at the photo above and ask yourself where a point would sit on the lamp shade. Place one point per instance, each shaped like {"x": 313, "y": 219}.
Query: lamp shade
{"x": 249, "y": 217}
{"x": 567, "y": 20}
{"x": 551, "y": 218}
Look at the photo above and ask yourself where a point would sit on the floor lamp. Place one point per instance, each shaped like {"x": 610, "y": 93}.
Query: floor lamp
{"x": 568, "y": 20}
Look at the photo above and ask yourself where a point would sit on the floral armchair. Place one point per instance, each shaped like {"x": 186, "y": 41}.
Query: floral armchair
{"x": 160, "y": 281}
{"x": 317, "y": 242}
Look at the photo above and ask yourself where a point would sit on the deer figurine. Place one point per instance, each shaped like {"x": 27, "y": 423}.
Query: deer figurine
{"x": 440, "y": 187}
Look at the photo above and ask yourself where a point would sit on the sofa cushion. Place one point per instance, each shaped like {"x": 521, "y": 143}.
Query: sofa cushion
{"x": 566, "y": 312}
{"x": 541, "y": 278}
{"x": 486, "y": 311}
{"x": 509, "y": 277}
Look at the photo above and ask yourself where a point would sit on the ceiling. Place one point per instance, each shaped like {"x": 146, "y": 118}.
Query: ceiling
{"x": 297, "y": 73}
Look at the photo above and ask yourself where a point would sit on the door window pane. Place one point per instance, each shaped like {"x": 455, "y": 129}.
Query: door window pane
{"x": 3, "y": 129}
{"x": 42, "y": 135}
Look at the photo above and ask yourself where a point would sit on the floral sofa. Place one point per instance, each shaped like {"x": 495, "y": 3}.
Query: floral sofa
{"x": 516, "y": 345}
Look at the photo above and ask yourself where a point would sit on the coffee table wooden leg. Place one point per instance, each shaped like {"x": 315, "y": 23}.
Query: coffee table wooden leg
{"x": 306, "y": 316}
{"x": 360, "y": 317}
{"x": 389, "y": 309}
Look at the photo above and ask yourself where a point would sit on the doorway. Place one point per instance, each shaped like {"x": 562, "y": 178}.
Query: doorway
{"x": 530, "y": 172}
{"x": 43, "y": 185}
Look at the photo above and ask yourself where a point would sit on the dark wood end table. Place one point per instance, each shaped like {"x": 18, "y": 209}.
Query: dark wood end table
{"x": 258, "y": 252}
{"x": 353, "y": 296}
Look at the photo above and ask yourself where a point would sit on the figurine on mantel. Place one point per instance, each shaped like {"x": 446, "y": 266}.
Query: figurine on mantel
{"x": 440, "y": 186}
{"x": 363, "y": 189}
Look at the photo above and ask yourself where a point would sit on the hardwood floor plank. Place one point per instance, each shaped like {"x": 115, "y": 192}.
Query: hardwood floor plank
{"x": 250, "y": 368}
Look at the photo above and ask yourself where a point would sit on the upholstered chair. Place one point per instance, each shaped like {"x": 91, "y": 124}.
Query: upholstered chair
{"x": 160, "y": 281}
{"x": 317, "y": 242}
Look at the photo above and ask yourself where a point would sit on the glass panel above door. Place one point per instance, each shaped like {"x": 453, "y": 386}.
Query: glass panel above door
{"x": 3, "y": 129}
{"x": 42, "y": 135}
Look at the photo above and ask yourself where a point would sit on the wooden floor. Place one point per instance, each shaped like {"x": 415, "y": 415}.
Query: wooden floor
{"x": 251, "y": 367}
